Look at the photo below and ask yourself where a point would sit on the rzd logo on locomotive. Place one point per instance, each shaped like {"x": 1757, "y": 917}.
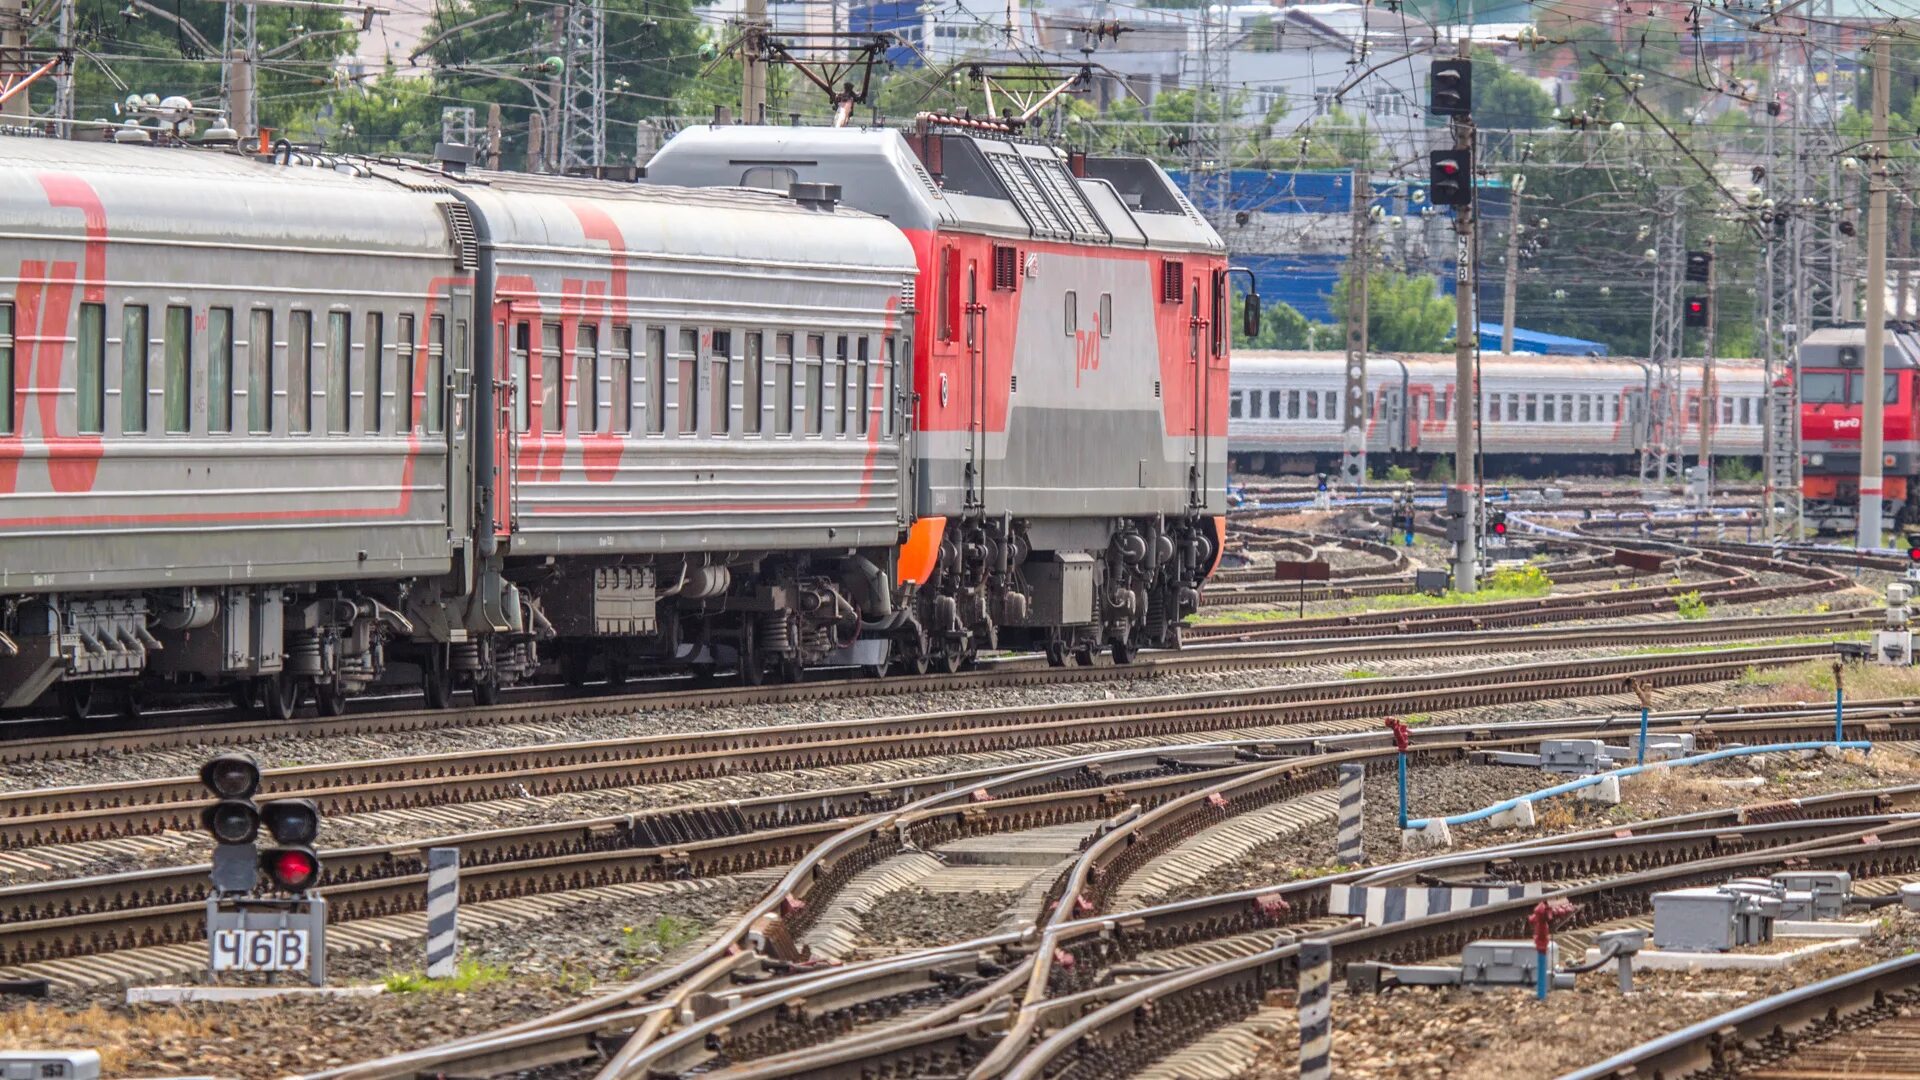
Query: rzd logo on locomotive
{"x": 1086, "y": 351}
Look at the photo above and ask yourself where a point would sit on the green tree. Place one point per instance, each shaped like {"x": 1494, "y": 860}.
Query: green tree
{"x": 1281, "y": 327}
{"x": 1405, "y": 312}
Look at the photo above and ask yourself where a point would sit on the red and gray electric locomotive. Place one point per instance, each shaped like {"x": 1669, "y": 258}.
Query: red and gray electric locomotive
{"x": 288, "y": 425}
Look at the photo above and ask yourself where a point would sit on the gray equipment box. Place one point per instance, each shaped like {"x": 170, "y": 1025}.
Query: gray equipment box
{"x": 49, "y": 1065}
{"x": 1432, "y": 582}
{"x": 1574, "y": 757}
{"x": 1713, "y": 919}
{"x": 1498, "y": 963}
{"x": 1662, "y": 747}
{"x": 1062, "y": 586}
{"x": 1829, "y": 891}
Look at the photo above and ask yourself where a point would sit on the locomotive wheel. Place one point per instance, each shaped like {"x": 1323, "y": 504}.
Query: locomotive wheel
{"x": 793, "y": 669}
{"x": 946, "y": 662}
{"x": 76, "y": 699}
{"x": 133, "y": 702}
{"x": 433, "y": 679}
{"x": 1083, "y": 656}
{"x": 329, "y": 699}
{"x": 616, "y": 671}
{"x": 280, "y": 694}
{"x": 244, "y": 694}
{"x": 1056, "y": 653}
{"x": 486, "y": 687}
{"x": 574, "y": 664}
{"x": 753, "y": 671}
{"x": 1123, "y": 652}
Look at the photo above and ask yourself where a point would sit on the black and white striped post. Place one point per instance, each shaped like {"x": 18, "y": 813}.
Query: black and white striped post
{"x": 1315, "y": 1004}
{"x": 1353, "y": 788}
{"x": 443, "y": 903}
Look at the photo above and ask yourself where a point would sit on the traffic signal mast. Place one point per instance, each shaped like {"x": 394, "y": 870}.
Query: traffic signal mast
{"x": 246, "y": 931}
{"x": 1450, "y": 183}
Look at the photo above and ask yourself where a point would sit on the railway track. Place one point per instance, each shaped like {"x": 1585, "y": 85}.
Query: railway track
{"x": 1862, "y": 1024}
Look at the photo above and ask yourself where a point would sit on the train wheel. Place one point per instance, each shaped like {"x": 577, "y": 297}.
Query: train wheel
{"x": 133, "y": 702}
{"x": 616, "y": 671}
{"x": 280, "y": 694}
{"x": 244, "y": 695}
{"x": 434, "y": 683}
{"x": 76, "y": 699}
{"x": 1083, "y": 656}
{"x": 1056, "y": 653}
{"x": 330, "y": 699}
{"x": 1123, "y": 652}
{"x": 793, "y": 669}
{"x": 946, "y": 661}
{"x": 574, "y": 664}
{"x": 486, "y": 687}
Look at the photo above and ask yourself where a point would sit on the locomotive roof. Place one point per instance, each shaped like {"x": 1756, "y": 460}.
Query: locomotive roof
{"x": 987, "y": 183}
{"x": 1845, "y": 346}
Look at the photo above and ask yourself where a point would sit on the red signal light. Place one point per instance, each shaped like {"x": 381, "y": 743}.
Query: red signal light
{"x": 1913, "y": 554}
{"x": 293, "y": 870}
{"x": 1499, "y": 528}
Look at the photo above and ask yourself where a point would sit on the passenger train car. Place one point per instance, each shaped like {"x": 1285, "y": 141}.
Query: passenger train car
{"x": 286, "y": 426}
{"x": 1832, "y": 402}
{"x": 1541, "y": 413}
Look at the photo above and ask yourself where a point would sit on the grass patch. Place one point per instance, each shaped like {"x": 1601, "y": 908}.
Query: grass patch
{"x": 1688, "y": 605}
{"x": 1361, "y": 673}
{"x": 642, "y": 946}
{"x": 1813, "y": 681}
{"x": 1722, "y": 646}
{"x": 1510, "y": 584}
{"x": 469, "y": 974}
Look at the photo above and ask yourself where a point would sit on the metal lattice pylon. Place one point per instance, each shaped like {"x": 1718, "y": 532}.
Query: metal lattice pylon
{"x": 1660, "y": 456}
{"x": 583, "y": 87}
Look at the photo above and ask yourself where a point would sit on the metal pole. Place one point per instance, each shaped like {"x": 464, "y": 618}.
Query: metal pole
{"x": 753, "y": 63}
{"x": 1466, "y": 495}
{"x": 1403, "y": 789}
{"x": 1839, "y": 703}
{"x": 1872, "y": 434}
{"x": 443, "y": 905}
{"x": 1509, "y": 300}
{"x": 1353, "y": 445}
{"x": 13, "y": 57}
{"x": 1351, "y": 845}
{"x": 1709, "y": 403}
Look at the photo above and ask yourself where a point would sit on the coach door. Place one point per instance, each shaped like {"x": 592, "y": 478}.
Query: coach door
{"x": 1198, "y": 348}
{"x": 1393, "y": 416}
{"x": 455, "y": 392}
{"x": 976, "y": 389}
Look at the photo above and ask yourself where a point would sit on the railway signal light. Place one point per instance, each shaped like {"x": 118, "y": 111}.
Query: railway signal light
{"x": 291, "y": 864}
{"x": 1450, "y": 177}
{"x": 1913, "y": 549}
{"x": 233, "y": 821}
{"x": 1497, "y": 523}
{"x": 1697, "y": 311}
{"x": 1699, "y": 265}
{"x": 1450, "y": 88}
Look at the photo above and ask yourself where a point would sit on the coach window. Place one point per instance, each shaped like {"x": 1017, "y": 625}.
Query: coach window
{"x": 687, "y": 388}
{"x": 1586, "y": 409}
{"x": 586, "y": 376}
{"x": 550, "y": 397}
{"x": 178, "y": 390}
{"x": 815, "y": 364}
{"x": 1273, "y": 404}
{"x": 862, "y": 397}
{"x": 1726, "y": 410}
{"x": 843, "y": 405}
{"x": 655, "y": 398}
{"x": 721, "y": 389}
{"x": 783, "y": 384}
{"x": 436, "y": 380}
{"x": 1313, "y": 404}
{"x": 522, "y": 376}
{"x": 1071, "y": 309}
{"x": 6, "y": 369}
{"x": 220, "y": 370}
{"x": 403, "y": 374}
{"x": 1331, "y": 408}
{"x": 339, "y": 388}
{"x": 1532, "y": 406}
{"x": 1546, "y": 409}
{"x": 750, "y": 384}
{"x": 1293, "y": 404}
{"x": 1253, "y": 405}
{"x": 133, "y": 369}
{"x": 1233, "y": 405}
{"x": 260, "y": 372}
{"x": 373, "y": 386}
{"x": 300, "y": 372}
{"x": 886, "y": 389}
{"x": 1106, "y": 314}
{"x": 90, "y": 403}
{"x": 620, "y": 371}
{"x": 1693, "y": 410}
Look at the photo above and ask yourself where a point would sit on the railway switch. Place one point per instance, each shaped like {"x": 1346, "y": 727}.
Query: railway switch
{"x": 1713, "y": 918}
{"x": 1492, "y": 964}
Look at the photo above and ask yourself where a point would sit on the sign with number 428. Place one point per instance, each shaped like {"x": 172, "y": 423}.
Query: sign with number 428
{"x": 259, "y": 950}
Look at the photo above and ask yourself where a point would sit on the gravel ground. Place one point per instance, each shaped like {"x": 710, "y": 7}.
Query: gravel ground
{"x": 918, "y": 919}
{"x": 514, "y": 973}
{"x": 1450, "y": 789}
{"x": 1510, "y": 1035}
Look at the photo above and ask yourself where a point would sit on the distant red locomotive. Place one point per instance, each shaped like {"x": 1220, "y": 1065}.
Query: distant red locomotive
{"x": 1832, "y": 395}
